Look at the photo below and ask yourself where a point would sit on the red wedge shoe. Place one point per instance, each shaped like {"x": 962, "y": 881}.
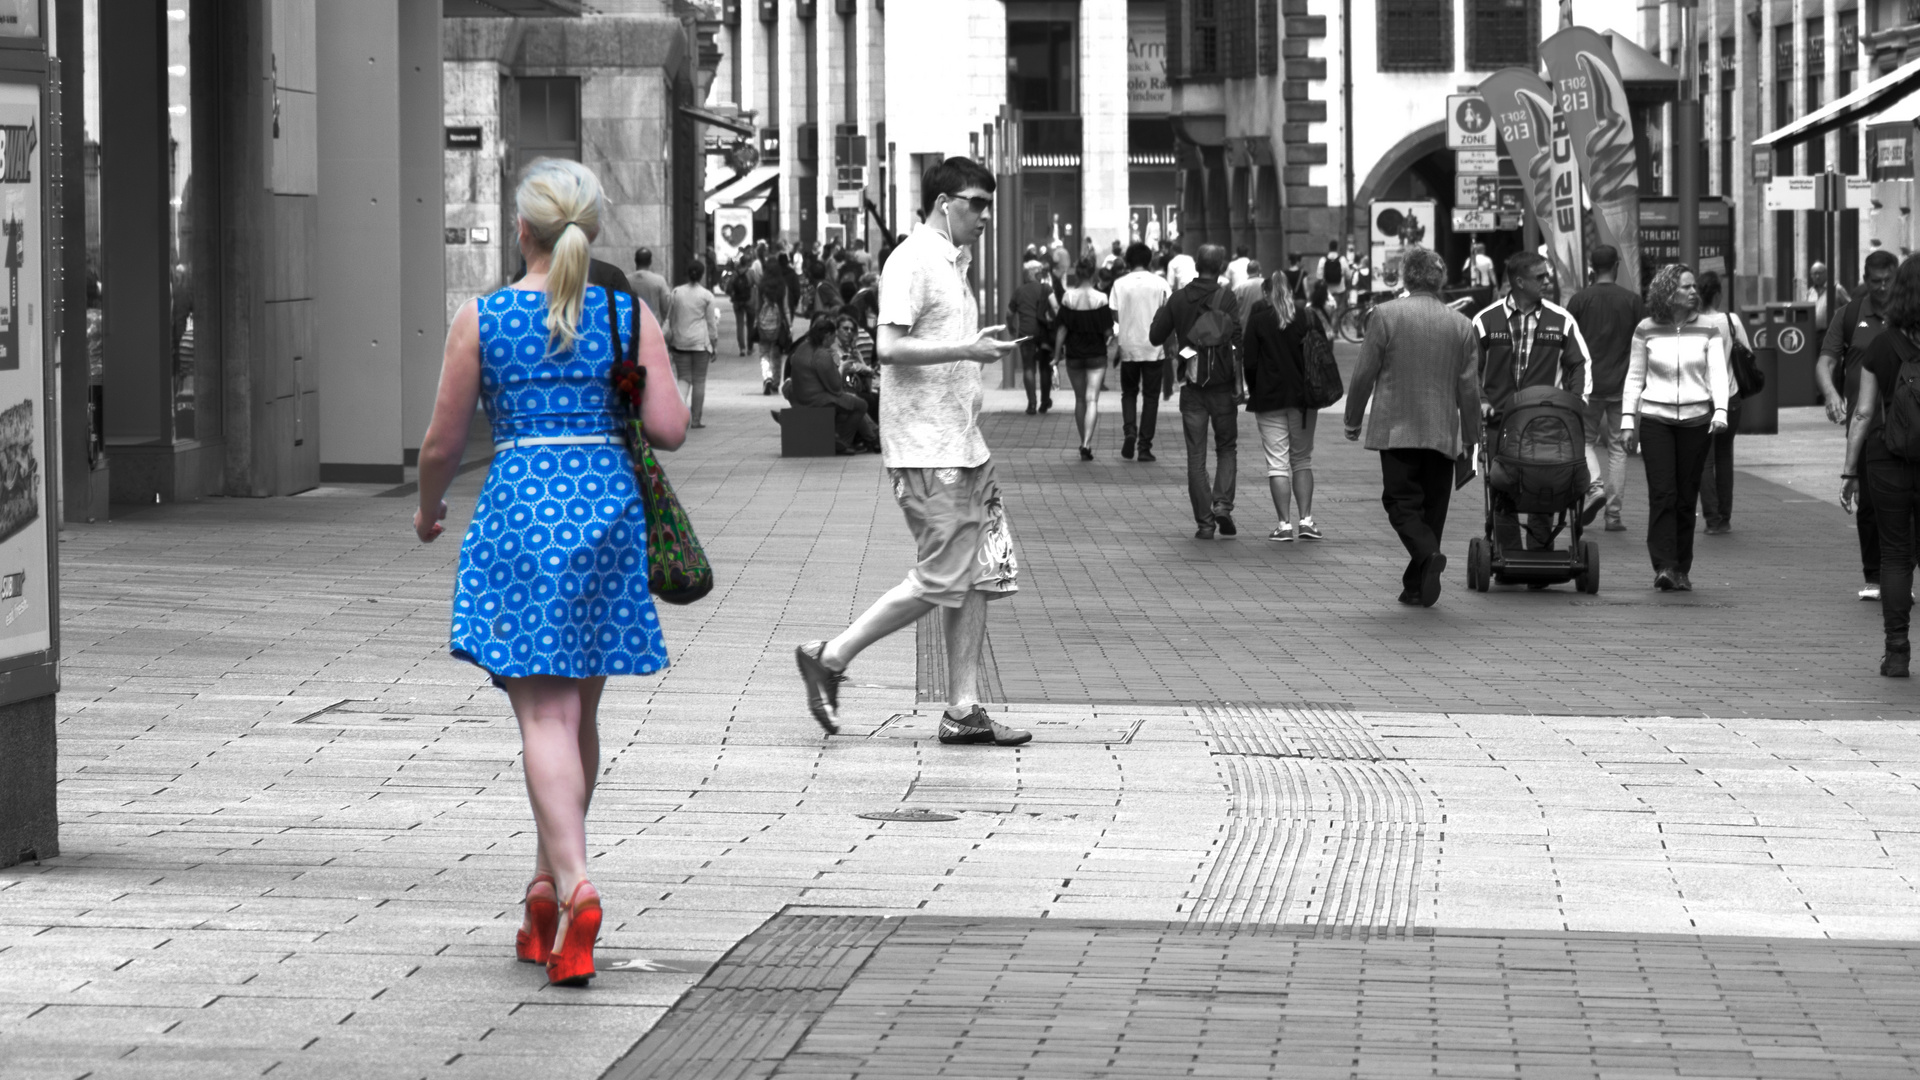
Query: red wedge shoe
{"x": 534, "y": 942}
{"x": 572, "y": 963}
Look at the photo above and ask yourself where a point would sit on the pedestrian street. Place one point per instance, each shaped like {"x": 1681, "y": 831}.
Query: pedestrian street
{"x": 1271, "y": 822}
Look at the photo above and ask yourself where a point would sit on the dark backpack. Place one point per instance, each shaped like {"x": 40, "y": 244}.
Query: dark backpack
{"x": 1330, "y": 270}
{"x": 1902, "y": 430}
{"x": 1211, "y": 336}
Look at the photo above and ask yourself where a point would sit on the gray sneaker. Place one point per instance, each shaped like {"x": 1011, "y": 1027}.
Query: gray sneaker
{"x": 1308, "y": 530}
{"x": 978, "y": 727}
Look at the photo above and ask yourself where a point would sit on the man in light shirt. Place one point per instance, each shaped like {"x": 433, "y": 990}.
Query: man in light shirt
{"x": 1479, "y": 268}
{"x": 693, "y": 330}
{"x": 1137, "y": 296}
{"x": 1180, "y": 269}
{"x": 1237, "y": 268}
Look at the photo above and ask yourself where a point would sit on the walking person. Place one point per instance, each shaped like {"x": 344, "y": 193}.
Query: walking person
{"x": 1716, "y": 479}
{"x": 1144, "y": 367}
{"x": 1084, "y": 340}
{"x": 1276, "y": 366}
{"x": 543, "y": 352}
{"x": 1333, "y": 275}
{"x": 774, "y": 301}
{"x": 1203, "y": 323}
{"x": 1606, "y": 315}
{"x": 1677, "y": 390}
{"x": 931, "y": 350}
{"x": 1890, "y": 471}
{"x": 1842, "y": 351}
{"x": 693, "y": 333}
{"x": 651, "y": 288}
{"x": 1421, "y": 358}
{"x": 740, "y": 296}
{"x": 1031, "y": 308}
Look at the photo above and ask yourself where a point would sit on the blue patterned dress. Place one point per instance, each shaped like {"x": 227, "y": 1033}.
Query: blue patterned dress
{"x": 553, "y": 570}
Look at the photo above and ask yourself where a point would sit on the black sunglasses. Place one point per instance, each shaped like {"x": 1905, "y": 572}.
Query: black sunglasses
{"x": 980, "y": 203}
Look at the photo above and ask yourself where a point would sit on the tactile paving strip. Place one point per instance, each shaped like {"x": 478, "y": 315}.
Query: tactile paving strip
{"x": 1071, "y": 999}
{"x": 1323, "y": 830}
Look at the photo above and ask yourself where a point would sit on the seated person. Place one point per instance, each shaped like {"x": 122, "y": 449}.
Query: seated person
{"x": 814, "y": 381}
{"x": 853, "y": 348}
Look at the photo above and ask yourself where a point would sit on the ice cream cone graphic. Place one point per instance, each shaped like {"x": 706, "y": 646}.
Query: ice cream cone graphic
{"x": 1613, "y": 183}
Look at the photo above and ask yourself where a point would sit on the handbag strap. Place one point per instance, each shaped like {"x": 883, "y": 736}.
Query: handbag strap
{"x": 622, "y": 352}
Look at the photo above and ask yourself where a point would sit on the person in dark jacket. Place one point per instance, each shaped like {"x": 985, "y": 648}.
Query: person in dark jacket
{"x": 814, "y": 381}
{"x": 1208, "y": 384}
{"x": 1276, "y": 365}
{"x": 1032, "y": 311}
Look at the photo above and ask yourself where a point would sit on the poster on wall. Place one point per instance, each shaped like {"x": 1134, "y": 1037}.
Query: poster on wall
{"x": 732, "y": 230}
{"x": 1147, "y": 89}
{"x": 1395, "y": 227}
{"x": 19, "y": 18}
{"x": 25, "y": 598}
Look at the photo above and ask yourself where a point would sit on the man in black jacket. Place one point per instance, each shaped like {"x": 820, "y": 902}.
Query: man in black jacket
{"x": 1208, "y": 384}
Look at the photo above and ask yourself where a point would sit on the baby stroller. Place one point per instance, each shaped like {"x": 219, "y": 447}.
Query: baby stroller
{"x": 1535, "y": 456}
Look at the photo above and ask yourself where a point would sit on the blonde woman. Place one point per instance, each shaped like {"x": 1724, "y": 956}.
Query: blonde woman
{"x": 1676, "y": 396}
{"x": 551, "y": 595}
{"x": 1276, "y": 363}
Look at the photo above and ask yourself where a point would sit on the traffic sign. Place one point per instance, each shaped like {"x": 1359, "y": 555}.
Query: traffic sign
{"x": 1476, "y": 162}
{"x": 1469, "y": 123}
{"x": 1475, "y": 220}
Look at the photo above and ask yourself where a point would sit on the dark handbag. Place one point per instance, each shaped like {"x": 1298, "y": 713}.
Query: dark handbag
{"x": 677, "y": 568}
{"x": 1748, "y": 379}
{"x": 1323, "y": 374}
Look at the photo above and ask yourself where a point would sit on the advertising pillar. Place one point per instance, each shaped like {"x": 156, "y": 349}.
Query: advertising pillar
{"x": 29, "y": 825}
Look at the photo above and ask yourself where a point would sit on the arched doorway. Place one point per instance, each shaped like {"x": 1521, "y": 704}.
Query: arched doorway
{"x": 1421, "y": 167}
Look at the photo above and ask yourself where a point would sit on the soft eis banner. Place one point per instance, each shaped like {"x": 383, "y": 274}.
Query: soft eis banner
{"x": 1588, "y": 90}
{"x": 1523, "y": 114}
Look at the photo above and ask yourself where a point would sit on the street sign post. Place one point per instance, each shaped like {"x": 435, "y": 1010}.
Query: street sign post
{"x": 1475, "y": 220}
{"x": 1477, "y": 162}
{"x": 1469, "y": 123}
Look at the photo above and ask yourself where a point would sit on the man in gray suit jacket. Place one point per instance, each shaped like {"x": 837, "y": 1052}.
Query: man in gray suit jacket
{"x": 1422, "y": 359}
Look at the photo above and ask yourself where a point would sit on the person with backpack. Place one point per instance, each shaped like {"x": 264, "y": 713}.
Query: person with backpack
{"x": 740, "y": 295}
{"x": 1276, "y": 363}
{"x": 774, "y": 322}
{"x": 1842, "y": 351}
{"x": 1203, "y": 320}
{"x": 1333, "y": 276}
{"x": 1679, "y": 385}
{"x": 1883, "y": 456}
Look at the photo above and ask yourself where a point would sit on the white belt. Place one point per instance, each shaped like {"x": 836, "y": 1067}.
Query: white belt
{"x": 557, "y": 440}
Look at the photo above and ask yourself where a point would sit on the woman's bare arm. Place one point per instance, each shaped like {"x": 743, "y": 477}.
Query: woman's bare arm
{"x": 453, "y": 405}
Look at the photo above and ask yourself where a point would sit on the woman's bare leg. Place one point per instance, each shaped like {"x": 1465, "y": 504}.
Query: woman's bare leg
{"x": 1078, "y": 377}
{"x": 1089, "y": 405}
{"x": 548, "y": 709}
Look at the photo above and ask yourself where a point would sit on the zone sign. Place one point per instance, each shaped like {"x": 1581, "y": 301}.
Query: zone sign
{"x": 1469, "y": 123}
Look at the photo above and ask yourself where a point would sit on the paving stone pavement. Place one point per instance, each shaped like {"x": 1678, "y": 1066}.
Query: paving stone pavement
{"x": 294, "y": 831}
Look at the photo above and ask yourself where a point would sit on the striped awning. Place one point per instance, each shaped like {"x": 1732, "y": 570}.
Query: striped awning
{"x": 738, "y": 190}
{"x": 1852, "y": 109}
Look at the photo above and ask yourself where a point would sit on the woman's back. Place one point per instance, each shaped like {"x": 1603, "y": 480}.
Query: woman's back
{"x": 528, "y": 392}
{"x": 1088, "y": 321}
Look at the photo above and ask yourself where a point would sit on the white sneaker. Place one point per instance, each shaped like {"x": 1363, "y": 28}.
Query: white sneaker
{"x": 1283, "y": 534}
{"x": 1870, "y": 592}
{"x": 1308, "y": 530}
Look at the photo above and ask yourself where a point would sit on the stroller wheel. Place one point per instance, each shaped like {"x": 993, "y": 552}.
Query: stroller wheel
{"x": 1589, "y": 580}
{"x": 1479, "y": 564}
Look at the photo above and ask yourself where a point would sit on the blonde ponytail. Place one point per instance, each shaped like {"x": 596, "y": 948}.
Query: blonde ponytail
{"x": 560, "y": 201}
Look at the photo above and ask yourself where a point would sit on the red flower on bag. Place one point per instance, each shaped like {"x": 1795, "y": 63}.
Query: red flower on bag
{"x": 629, "y": 382}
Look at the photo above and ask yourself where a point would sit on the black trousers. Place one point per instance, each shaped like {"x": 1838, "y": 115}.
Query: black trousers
{"x": 1140, "y": 391}
{"x": 1866, "y": 523}
{"x": 1416, "y": 487}
{"x": 1896, "y": 499}
{"x": 1674, "y": 455}
{"x": 1716, "y": 481}
{"x": 1032, "y": 358}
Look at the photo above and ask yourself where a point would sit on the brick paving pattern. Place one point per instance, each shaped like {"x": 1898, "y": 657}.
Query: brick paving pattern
{"x": 1065, "y": 999}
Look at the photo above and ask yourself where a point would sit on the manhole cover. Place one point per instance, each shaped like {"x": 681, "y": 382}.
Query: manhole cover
{"x": 909, "y": 815}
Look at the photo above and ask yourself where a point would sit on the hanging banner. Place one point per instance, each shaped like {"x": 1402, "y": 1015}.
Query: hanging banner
{"x": 732, "y": 231}
{"x": 1569, "y": 231}
{"x": 1588, "y": 89}
{"x": 1523, "y": 114}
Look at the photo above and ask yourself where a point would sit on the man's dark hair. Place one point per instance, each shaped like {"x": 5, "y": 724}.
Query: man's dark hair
{"x": 820, "y": 332}
{"x": 1604, "y": 258}
{"x": 1522, "y": 263}
{"x": 696, "y": 270}
{"x": 643, "y": 258}
{"x": 951, "y": 177}
{"x": 1706, "y": 285}
{"x": 1881, "y": 259}
{"x": 1903, "y": 303}
{"x": 1210, "y": 260}
{"x": 1242, "y": 251}
{"x": 1139, "y": 256}
{"x": 1333, "y": 247}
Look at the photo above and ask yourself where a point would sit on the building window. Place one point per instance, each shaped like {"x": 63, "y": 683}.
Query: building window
{"x": 1416, "y": 35}
{"x": 1501, "y": 33}
{"x": 1240, "y": 41}
{"x": 1203, "y": 32}
{"x": 549, "y": 120}
{"x": 1726, "y": 74}
{"x": 1269, "y": 59}
{"x": 1042, "y": 66}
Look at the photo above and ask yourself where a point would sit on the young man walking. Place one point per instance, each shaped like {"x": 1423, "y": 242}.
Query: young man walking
{"x": 931, "y": 350}
{"x": 692, "y": 324}
{"x": 1137, "y": 297}
{"x": 1606, "y": 314}
{"x": 1204, "y": 321}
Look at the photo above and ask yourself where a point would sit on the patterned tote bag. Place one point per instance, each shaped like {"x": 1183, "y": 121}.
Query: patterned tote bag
{"x": 677, "y": 567}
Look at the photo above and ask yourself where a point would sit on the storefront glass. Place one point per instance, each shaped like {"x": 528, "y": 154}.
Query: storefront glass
{"x": 180, "y": 215}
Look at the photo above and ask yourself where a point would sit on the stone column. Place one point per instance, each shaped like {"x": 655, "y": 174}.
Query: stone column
{"x": 1239, "y": 209}
{"x": 1103, "y": 123}
{"x": 1214, "y": 224}
{"x": 1269, "y": 229}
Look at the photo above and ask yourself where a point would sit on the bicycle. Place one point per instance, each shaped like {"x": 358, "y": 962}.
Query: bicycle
{"x": 1352, "y": 326}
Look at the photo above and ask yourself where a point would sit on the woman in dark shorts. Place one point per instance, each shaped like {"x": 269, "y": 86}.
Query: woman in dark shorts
{"x": 1084, "y": 339}
{"x": 1894, "y": 481}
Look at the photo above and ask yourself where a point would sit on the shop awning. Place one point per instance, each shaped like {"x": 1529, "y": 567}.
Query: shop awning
{"x": 1904, "y": 111}
{"x": 1648, "y": 79}
{"x": 1872, "y": 98}
{"x": 741, "y": 187}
